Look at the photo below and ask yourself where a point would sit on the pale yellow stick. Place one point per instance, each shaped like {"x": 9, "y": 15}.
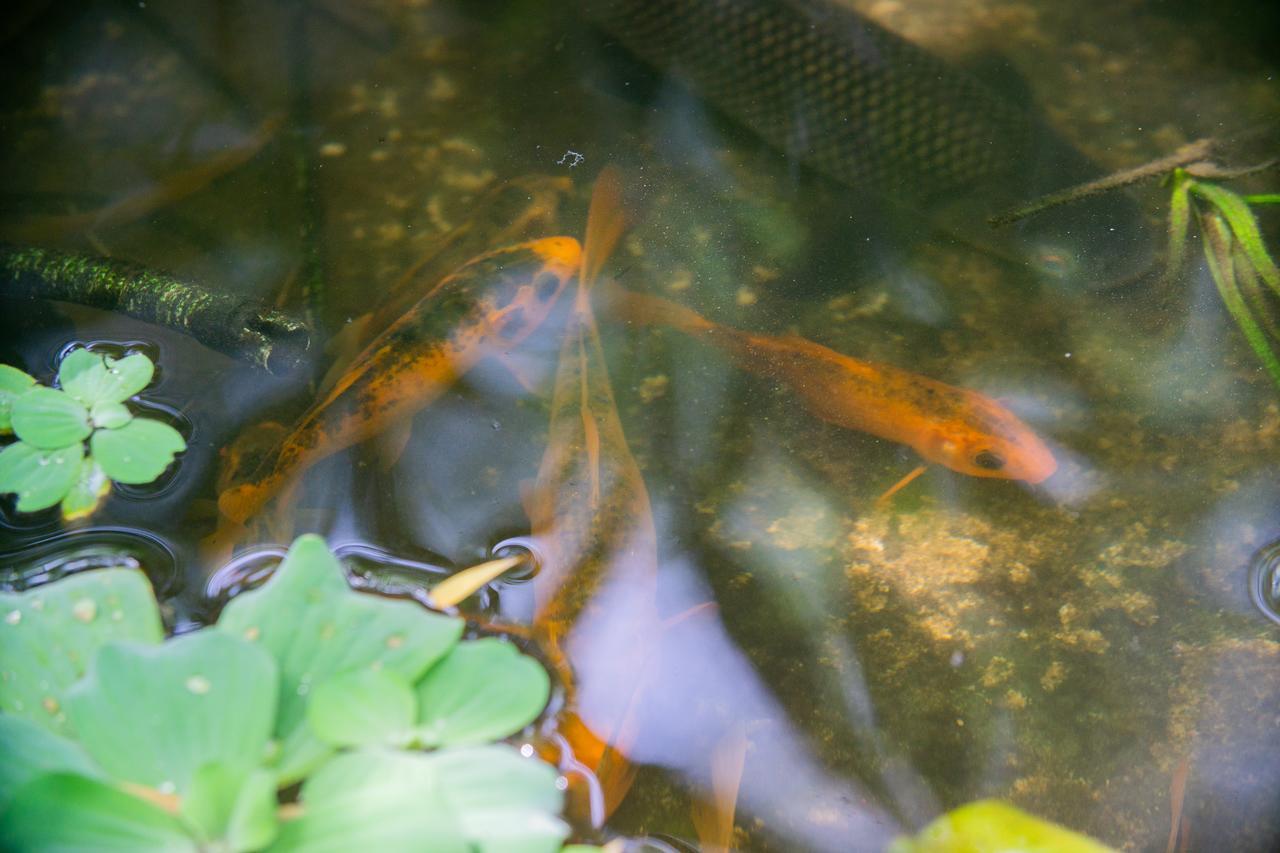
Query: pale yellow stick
{"x": 457, "y": 587}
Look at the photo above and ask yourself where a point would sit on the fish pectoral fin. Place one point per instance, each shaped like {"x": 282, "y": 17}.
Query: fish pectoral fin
{"x": 343, "y": 348}
{"x": 527, "y": 370}
{"x": 389, "y": 444}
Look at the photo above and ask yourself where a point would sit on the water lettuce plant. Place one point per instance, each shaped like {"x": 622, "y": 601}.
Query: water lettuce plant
{"x": 1241, "y": 267}
{"x": 117, "y": 739}
{"x": 49, "y": 463}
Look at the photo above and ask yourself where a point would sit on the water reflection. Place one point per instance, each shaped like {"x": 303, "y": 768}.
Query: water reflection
{"x": 1064, "y": 645}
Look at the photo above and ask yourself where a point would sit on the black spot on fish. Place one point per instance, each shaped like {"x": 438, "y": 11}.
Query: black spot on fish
{"x": 545, "y": 285}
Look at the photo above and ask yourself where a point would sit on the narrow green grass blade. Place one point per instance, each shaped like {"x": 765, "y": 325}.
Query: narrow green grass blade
{"x": 1264, "y": 310}
{"x": 1245, "y": 227}
{"x": 1217, "y": 245}
{"x": 1179, "y": 220}
{"x": 1263, "y": 198}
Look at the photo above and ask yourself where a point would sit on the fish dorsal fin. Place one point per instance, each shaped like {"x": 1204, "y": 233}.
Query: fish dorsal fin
{"x": 606, "y": 221}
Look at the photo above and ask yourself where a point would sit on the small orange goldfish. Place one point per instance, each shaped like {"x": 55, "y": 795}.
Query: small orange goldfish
{"x": 486, "y": 307}
{"x": 956, "y": 427}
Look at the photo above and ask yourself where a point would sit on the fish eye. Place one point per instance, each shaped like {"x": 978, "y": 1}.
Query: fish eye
{"x": 988, "y": 460}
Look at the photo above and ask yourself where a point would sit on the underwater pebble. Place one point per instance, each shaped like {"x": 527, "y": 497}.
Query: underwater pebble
{"x": 333, "y": 149}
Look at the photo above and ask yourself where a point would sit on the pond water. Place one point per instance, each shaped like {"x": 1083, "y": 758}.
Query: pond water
{"x": 852, "y": 666}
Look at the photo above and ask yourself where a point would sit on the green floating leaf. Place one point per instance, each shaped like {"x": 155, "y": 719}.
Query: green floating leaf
{"x": 990, "y": 826}
{"x": 30, "y": 750}
{"x": 86, "y": 493}
{"x": 48, "y": 636}
{"x": 40, "y": 478}
{"x": 155, "y": 715}
{"x": 502, "y": 800}
{"x": 50, "y": 419}
{"x": 231, "y": 806}
{"x": 109, "y": 415}
{"x": 484, "y": 690}
{"x": 13, "y": 384}
{"x": 366, "y": 707}
{"x": 65, "y": 812}
{"x": 373, "y": 799}
{"x": 137, "y": 452}
{"x": 91, "y": 378}
{"x": 317, "y": 627}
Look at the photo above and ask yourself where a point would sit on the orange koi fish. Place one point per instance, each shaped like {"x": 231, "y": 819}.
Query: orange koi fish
{"x": 484, "y": 308}
{"x": 590, "y": 514}
{"x": 956, "y": 427}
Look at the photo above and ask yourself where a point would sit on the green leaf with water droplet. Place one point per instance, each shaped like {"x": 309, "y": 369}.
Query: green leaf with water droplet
{"x": 49, "y": 634}
{"x": 13, "y": 384}
{"x": 108, "y": 415}
{"x": 155, "y": 714}
{"x": 86, "y": 493}
{"x": 502, "y": 800}
{"x": 317, "y": 627}
{"x": 373, "y": 799}
{"x": 30, "y": 750}
{"x": 137, "y": 452}
{"x": 484, "y": 690}
{"x": 92, "y": 378}
{"x": 363, "y": 708}
{"x": 50, "y": 419}
{"x": 62, "y": 811}
{"x": 40, "y": 478}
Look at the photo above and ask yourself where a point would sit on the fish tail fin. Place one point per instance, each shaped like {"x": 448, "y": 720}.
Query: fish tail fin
{"x": 606, "y": 222}
{"x": 649, "y": 310}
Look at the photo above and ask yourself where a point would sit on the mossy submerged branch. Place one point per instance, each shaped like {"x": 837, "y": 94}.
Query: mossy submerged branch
{"x": 242, "y": 328}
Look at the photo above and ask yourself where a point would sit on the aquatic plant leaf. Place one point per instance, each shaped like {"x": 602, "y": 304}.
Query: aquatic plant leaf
{"x": 155, "y": 714}
{"x": 1245, "y": 228}
{"x": 229, "y": 805}
{"x": 92, "y": 378}
{"x": 48, "y": 636}
{"x": 483, "y": 691}
{"x": 1218, "y": 254}
{"x": 30, "y": 750}
{"x": 502, "y": 800}
{"x": 13, "y": 384}
{"x": 40, "y": 478}
{"x": 317, "y": 627}
{"x": 1179, "y": 222}
{"x": 363, "y": 708}
{"x": 86, "y": 493}
{"x": 62, "y": 811}
{"x": 990, "y": 825}
{"x": 1262, "y": 198}
{"x": 373, "y": 799}
{"x": 109, "y": 415}
{"x": 137, "y": 452}
{"x": 50, "y": 419}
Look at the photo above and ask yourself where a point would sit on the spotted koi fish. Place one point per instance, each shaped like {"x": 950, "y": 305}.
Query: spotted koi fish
{"x": 484, "y": 308}
{"x": 956, "y": 427}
